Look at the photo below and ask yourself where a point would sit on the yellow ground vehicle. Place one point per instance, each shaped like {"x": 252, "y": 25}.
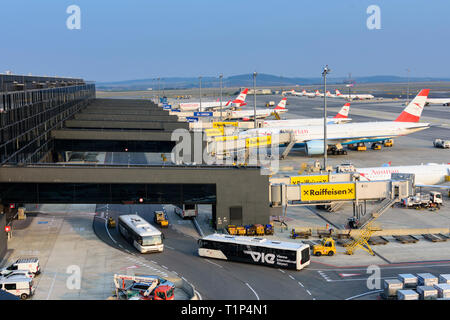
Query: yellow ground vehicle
{"x": 376, "y": 146}
{"x": 326, "y": 247}
{"x": 232, "y": 229}
{"x": 161, "y": 219}
{"x": 259, "y": 229}
{"x": 111, "y": 223}
{"x": 389, "y": 143}
{"x": 240, "y": 231}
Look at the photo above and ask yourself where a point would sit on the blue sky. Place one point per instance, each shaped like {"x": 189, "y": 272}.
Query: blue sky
{"x": 136, "y": 39}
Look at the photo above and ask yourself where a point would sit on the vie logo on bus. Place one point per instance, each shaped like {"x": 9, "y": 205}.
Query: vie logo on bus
{"x": 261, "y": 257}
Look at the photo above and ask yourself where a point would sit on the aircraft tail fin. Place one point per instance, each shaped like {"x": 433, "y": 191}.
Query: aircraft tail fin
{"x": 343, "y": 113}
{"x": 281, "y": 105}
{"x": 414, "y": 109}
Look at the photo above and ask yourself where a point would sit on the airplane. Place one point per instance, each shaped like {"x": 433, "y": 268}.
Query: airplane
{"x": 295, "y": 93}
{"x": 350, "y": 133}
{"x": 354, "y": 96}
{"x": 330, "y": 95}
{"x": 260, "y": 113}
{"x": 443, "y": 101}
{"x": 424, "y": 174}
{"x": 215, "y": 105}
{"x": 309, "y": 94}
{"x": 340, "y": 117}
{"x": 318, "y": 94}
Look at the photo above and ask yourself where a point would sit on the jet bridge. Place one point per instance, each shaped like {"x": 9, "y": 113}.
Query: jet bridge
{"x": 320, "y": 193}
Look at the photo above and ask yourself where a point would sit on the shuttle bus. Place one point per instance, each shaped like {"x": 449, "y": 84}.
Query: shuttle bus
{"x": 278, "y": 254}
{"x": 142, "y": 235}
{"x": 187, "y": 210}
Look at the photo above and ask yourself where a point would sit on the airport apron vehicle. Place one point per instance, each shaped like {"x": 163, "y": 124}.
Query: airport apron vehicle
{"x": 142, "y": 235}
{"x": 27, "y": 264}
{"x": 187, "y": 211}
{"x": 144, "y": 288}
{"x": 15, "y": 273}
{"x": 326, "y": 247}
{"x": 160, "y": 218}
{"x": 18, "y": 285}
{"x": 277, "y": 254}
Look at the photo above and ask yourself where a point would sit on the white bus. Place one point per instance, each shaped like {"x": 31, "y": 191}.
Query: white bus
{"x": 187, "y": 210}
{"x": 278, "y": 254}
{"x": 141, "y": 234}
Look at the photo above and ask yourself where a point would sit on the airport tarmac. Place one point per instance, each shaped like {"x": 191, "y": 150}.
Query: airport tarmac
{"x": 337, "y": 277}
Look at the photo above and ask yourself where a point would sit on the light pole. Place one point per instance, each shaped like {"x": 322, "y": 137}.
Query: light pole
{"x": 200, "y": 86}
{"x": 254, "y": 96}
{"x": 159, "y": 89}
{"x": 407, "y": 92}
{"x": 326, "y": 70}
{"x": 221, "y": 77}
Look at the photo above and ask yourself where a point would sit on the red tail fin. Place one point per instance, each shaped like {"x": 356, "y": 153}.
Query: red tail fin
{"x": 414, "y": 109}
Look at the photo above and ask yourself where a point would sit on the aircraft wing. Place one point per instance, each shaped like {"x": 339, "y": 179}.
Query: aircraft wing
{"x": 433, "y": 186}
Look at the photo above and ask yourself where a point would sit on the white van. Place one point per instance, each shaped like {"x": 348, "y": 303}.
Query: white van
{"x": 15, "y": 273}
{"x": 18, "y": 286}
{"x": 28, "y": 264}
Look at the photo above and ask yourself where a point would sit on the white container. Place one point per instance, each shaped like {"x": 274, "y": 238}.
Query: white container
{"x": 427, "y": 293}
{"x": 408, "y": 280}
{"x": 407, "y": 295}
{"x": 391, "y": 286}
{"x": 444, "y": 278}
{"x": 443, "y": 290}
{"x": 427, "y": 279}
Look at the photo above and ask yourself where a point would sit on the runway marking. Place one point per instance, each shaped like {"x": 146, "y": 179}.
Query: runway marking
{"x": 323, "y": 275}
{"x": 364, "y": 294}
{"x": 308, "y": 292}
{"x": 385, "y": 267}
{"x": 291, "y": 277}
{"x": 301, "y": 284}
{"x": 257, "y": 297}
{"x": 51, "y": 287}
{"x": 214, "y": 263}
{"x": 109, "y": 234}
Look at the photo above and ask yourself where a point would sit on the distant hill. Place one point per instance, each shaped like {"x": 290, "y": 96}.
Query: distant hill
{"x": 246, "y": 80}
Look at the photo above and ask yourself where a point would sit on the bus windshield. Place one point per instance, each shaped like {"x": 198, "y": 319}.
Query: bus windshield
{"x": 151, "y": 240}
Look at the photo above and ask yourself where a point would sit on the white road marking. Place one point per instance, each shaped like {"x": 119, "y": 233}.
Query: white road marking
{"x": 363, "y": 294}
{"x": 198, "y": 295}
{"x": 301, "y": 284}
{"x": 291, "y": 277}
{"x": 169, "y": 247}
{"x": 257, "y": 297}
{"x": 308, "y": 292}
{"x": 51, "y": 287}
{"x": 109, "y": 234}
{"x": 214, "y": 263}
{"x": 281, "y": 270}
{"x": 165, "y": 267}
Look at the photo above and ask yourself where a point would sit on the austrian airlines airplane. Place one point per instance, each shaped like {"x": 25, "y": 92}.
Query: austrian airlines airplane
{"x": 340, "y": 117}
{"x": 349, "y": 133}
{"x": 215, "y": 105}
{"x": 309, "y": 94}
{"x": 443, "y": 101}
{"x": 354, "y": 96}
{"x": 295, "y": 93}
{"x": 425, "y": 174}
{"x": 260, "y": 113}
